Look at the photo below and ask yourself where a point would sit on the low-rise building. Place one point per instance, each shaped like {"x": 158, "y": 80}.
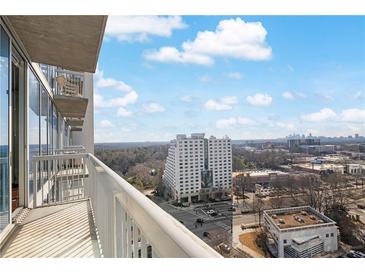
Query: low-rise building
{"x": 318, "y": 149}
{"x": 320, "y": 168}
{"x": 299, "y": 232}
{"x": 264, "y": 178}
{"x": 355, "y": 169}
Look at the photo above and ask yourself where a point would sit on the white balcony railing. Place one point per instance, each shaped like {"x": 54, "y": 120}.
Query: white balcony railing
{"x": 71, "y": 149}
{"x": 129, "y": 224}
{"x": 69, "y": 83}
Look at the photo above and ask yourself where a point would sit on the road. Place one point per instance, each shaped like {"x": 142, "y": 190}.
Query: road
{"x": 188, "y": 217}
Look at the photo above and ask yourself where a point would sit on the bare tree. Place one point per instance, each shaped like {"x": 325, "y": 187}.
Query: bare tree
{"x": 258, "y": 206}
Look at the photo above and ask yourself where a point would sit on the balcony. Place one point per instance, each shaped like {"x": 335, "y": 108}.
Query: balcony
{"x": 69, "y": 94}
{"x": 81, "y": 208}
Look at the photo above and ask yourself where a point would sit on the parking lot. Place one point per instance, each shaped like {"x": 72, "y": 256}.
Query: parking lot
{"x": 188, "y": 216}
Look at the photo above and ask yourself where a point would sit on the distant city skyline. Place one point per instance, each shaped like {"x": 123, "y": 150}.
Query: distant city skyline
{"x": 248, "y": 77}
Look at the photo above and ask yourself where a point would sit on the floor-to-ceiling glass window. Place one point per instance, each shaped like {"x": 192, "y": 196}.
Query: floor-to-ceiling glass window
{"x": 4, "y": 130}
{"x": 33, "y": 124}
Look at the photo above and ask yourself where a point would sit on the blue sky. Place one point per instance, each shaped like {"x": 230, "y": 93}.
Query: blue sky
{"x": 248, "y": 77}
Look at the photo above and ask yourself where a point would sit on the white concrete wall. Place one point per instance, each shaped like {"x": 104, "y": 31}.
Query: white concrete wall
{"x": 220, "y": 162}
{"x": 185, "y": 163}
{"x": 86, "y": 136}
{"x": 330, "y": 242}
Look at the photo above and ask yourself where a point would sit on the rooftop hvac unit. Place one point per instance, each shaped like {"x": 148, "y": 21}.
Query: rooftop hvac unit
{"x": 312, "y": 217}
{"x": 274, "y": 216}
{"x": 304, "y": 213}
{"x": 281, "y": 221}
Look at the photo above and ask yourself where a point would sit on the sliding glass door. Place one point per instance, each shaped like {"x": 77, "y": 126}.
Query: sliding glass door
{"x": 4, "y": 130}
{"x": 33, "y": 124}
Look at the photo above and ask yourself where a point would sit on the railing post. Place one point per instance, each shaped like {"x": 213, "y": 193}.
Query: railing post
{"x": 143, "y": 247}
{"x": 34, "y": 165}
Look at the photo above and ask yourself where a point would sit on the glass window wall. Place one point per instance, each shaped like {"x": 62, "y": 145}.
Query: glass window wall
{"x": 4, "y": 130}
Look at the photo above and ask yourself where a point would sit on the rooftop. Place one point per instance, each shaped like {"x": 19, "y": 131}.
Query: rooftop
{"x": 258, "y": 173}
{"x": 297, "y": 217}
{"x": 322, "y": 166}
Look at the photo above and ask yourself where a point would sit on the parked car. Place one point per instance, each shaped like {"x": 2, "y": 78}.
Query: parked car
{"x": 206, "y": 234}
{"x": 200, "y": 220}
{"x": 225, "y": 248}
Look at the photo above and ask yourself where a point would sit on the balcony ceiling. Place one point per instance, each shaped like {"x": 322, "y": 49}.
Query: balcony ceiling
{"x": 75, "y": 122}
{"x": 70, "y": 106}
{"x": 71, "y": 42}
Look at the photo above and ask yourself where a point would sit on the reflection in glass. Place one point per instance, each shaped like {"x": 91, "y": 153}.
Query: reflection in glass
{"x": 54, "y": 128}
{"x": 33, "y": 126}
{"x": 4, "y": 130}
{"x": 44, "y": 122}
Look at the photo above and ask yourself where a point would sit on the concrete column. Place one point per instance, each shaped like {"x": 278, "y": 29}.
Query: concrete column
{"x": 280, "y": 248}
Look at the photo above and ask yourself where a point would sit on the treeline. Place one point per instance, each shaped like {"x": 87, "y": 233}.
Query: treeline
{"x": 245, "y": 159}
{"x": 142, "y": 166}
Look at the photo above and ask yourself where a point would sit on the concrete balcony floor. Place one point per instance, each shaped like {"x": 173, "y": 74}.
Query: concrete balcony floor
{"x": 65, "y": 230}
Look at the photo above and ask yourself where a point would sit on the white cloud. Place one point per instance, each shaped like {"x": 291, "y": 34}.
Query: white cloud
{"x": 226, "y": 123}
{"x": 233, "y": 121}
{"x": 205, "y": 78}
{"x": 139, "y": 28}
{"x": 130, "y": 95}
{"x": 288, "y": 126}
{"x": 245, "y": 121}
{"x": 122, "y": 112}
{"x": 259, "y": 100}
{"x": 233, "y": 38}
{"x": 172, "y": 55}
{"x": 353, "y": 115}
{"x": 322, "y": 115}
{"x": 359, "y": 95}
{"x": 235, "y": 75}
{"x": 153, "y": 107}
{"x": 224, "y": 103}
{"x": 186, "y": 98}
{"x": 288, "y": 95}
{"x": 106, "y": 124}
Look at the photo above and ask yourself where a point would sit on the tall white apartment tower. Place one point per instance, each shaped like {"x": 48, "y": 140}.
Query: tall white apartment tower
{"x": 198, "y": 168}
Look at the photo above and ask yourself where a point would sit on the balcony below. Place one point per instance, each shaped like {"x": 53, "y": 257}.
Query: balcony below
{"x": 69, "y": 94}
{"x": 56, "y": 231}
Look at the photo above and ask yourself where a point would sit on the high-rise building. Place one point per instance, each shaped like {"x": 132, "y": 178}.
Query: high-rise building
{"x": 295, "y": 142}
{"x": 198, "y": 168}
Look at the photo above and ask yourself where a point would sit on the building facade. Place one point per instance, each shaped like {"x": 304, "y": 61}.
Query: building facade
{"x": 198, "y": 168}
{"x": 299, "y": 232}
{"x": 296, "y": 142}
{"x": 44, "y": 98}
